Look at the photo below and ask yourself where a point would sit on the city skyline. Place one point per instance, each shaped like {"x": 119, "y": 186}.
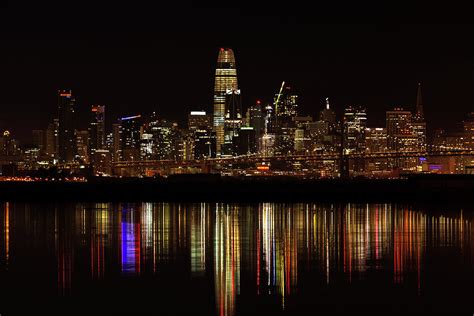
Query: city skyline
{"x": 133, "y": 72}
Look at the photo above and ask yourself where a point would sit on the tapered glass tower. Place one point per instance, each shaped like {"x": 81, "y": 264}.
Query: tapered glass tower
{"x": 226, "y": 79}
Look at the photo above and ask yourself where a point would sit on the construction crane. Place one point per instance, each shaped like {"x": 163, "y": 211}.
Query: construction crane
{"x": 278, "y": 98}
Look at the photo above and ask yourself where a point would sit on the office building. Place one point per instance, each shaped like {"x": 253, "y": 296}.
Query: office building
{"x": 225, "y": 79}
{"x": 66, "y": 126}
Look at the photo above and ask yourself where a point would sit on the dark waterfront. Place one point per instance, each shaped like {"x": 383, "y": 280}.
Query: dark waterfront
{"x": 235, "y": 259}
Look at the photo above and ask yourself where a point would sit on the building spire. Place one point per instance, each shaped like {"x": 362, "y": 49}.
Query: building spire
{"x": 419, "y": 103}
{"x": 327, "y": 103}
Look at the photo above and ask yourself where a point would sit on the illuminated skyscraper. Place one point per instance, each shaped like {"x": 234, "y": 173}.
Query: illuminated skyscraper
{"x": 400, "y": 130}
{"x": 130, "y": 128}
{"x": 52, "y": 139}
{"x": 355, "y": 122}
{"x": 468, "y": 125}
{"x": 286, "y": 105}
{"x": 226, "y": 79}
{"x": 97, "y": 129}
{"x": 418, "y": 123}
{"x": 66, "y": 137}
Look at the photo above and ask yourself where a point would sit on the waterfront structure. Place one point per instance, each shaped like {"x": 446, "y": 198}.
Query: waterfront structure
{"x": 225, "y": 79}
{"x": 66, "y": 126}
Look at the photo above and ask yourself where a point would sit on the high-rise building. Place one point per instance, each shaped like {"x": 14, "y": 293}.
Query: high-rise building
{"x": 130, "y": 136}
{"x": 232, "y": 122}
{"x": 226, "y": 79}
{"x": 39, "y": 140}
{"x": 204, "y": 144}
{"x": 245, "y": 143}
{"x": 52, "y": 141}
{"x": 354, "y": 124}
{"x": 82, "y": 145}
{"x": 116, "y": 142}
{"x": 66, "y": 137}
{"x": 256, "y": 120}
{"x": 376, "y": 139}
{"x": 468, "y": 125}
{"x": 418, "y": 121}
{"x": 286, "y": 106}
{"x": 400, "y": 131}
{"x": 328, "y": 116}
{"x": 199, "y": 120}
{"x": 96, "y": 129}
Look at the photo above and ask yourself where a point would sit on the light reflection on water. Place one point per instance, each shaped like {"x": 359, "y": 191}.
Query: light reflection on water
{"x": 280, "y": 251}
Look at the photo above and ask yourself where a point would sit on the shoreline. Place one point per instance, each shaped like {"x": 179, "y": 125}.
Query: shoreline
{"x": 204, "y": 188}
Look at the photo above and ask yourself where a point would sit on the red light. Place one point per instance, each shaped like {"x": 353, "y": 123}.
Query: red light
{"x": 258, "y": 101}
{"x": 222, "y": 49}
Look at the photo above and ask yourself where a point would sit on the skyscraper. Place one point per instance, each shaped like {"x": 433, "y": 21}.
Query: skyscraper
{"x": 66, "y": 137}
{"x": 39, "y": 139}
{"x": 96, "y": 129}
{"x": 355, "y": 122}
{"x": 400, "y": 130}
{"x": 130, "y": 128}
{"x": 256, "y": 120}
{"x": 286, "y": 105}
{"x": 418, "y": 122}
{"x": 52, "y": 139}
{"x": 226, "y": 79}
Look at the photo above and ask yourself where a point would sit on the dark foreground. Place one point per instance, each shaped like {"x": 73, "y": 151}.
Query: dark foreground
{"x": 424, "y": 188}
{"x": 157, "y": 258}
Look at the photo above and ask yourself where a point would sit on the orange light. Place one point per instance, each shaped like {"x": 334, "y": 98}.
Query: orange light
{"x": 263, "y": 168}
{"x": 65, "y": 95}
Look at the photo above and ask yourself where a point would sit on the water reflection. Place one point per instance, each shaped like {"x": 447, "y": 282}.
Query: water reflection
{"x": 275, "y": 251}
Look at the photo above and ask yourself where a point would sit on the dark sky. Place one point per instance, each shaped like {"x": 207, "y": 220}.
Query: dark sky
{"x": 143, "y": 58}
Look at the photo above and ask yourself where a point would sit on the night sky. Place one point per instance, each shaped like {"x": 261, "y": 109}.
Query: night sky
{"x": 142, "y": 59}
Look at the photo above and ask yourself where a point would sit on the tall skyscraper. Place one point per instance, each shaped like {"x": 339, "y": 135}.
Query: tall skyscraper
{"x": 66, "y": 137}
{"x": 355, "y": 122}
{"x": 232, "y": 122}
{"x": 116, "y": 142}
{"x": 130, "y": 128}
{"x": 82, "y": 145}
{"x": 328, "y": 116}
{"x": 418, "y": 122}
{"x": 256, "y": 120}
{"x": 199, "y": 120}
{"x": 400, "y": 130}
{"x": 468, "y": 127}
{"x": 39, "y": 140}
{"x": 96, "y": 129}
{"x": 419, "y": 104}
{"x": 52, "y": 133}
{"x": 286, "y": 106}
{"x": 226, "y": 79}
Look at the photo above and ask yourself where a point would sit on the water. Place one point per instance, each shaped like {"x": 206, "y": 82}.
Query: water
{"x": 235, "y": 259}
